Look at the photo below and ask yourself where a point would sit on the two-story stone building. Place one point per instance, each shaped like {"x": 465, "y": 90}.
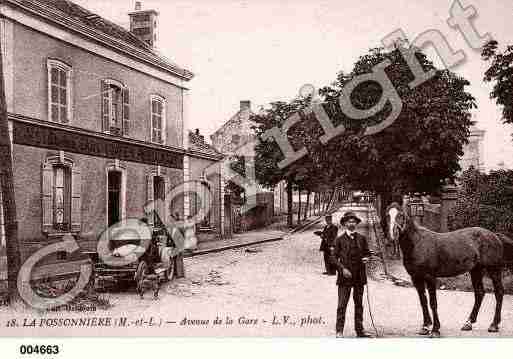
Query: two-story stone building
{"x": 96, "y": 120}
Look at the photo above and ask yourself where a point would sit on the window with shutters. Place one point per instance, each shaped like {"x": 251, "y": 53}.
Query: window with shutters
{"x": 59, "y": 91}
{"x": 115, "y": 108}
{"x": 158, "y": 119}
{"x": 61, "y": 196}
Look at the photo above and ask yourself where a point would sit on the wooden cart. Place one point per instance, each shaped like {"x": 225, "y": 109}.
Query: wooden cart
{"x": 149, "y": 270}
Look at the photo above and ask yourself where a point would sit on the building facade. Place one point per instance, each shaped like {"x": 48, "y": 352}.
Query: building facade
{"x": 473, "y": 151}
{"x": 206, "y": 200}
{"x": 96, "y": 119}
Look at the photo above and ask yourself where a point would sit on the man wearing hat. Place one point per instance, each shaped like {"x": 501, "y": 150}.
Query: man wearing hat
{"x": 350, "y": 254}
{"x": 328, "y": 236}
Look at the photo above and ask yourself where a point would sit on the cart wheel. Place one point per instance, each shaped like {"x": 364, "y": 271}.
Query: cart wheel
{"x": 170, "y": 272}
{"x": 140, "y": 274}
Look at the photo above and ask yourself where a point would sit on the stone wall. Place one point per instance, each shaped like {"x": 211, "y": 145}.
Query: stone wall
{"x": 432, "y": 218}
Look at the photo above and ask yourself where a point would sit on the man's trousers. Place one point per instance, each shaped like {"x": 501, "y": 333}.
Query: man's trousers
{"x": 344, "y": 292}
{"x": 330, "y": 267}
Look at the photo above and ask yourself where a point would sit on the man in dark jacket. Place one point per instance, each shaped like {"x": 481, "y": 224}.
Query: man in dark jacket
{"x": 328, "y": 236}
{"x": 350, "y": 255}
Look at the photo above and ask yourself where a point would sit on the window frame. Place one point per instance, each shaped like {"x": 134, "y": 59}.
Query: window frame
{"x": 122, "y": 87}
{"x": 66, "y": 197}
{"x": 163, "y": 101}
{"x": 60, "y": 65}
{"x": 49, "y": 228}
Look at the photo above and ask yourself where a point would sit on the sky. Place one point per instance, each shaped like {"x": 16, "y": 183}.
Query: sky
{"x": 264, "y": 50}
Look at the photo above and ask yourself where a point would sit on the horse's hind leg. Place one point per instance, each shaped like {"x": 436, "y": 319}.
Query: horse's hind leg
{"x": 476, "y": 275}
{"x": 420, "y": 285}
{"x": 431, "y": 285}
{"x": 496, "y": 276}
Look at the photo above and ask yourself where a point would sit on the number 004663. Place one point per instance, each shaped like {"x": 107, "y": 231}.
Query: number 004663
{"x": 39, "y": 349}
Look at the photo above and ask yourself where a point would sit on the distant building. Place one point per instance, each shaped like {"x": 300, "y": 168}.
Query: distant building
{"x": 236, "y": 132}
{"x": 473, "y": 151}
{"x": 203, "y": 157}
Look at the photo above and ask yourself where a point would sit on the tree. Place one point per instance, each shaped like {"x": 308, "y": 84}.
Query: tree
{"x": 302, "y": 175}
{"x": 485, "y": 200}
{"x": 420, "y": 149}
{"x": 501, "y": 73}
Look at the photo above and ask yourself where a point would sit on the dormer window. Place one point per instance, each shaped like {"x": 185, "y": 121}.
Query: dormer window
{"x": 115, "y": 108}
{"x": 59, "y": 91}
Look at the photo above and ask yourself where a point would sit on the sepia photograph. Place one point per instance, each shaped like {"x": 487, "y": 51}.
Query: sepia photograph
{"x": 255, "y": 169}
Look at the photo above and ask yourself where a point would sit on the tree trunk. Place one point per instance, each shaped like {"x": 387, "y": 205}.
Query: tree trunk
{"x": 289, "y": 204}
{"x": 307, "y": 205}
{"x": 385, "y": 200}
{"x": 8, "y": 203}
{"x": 330, "y": 199}
{"x": 299, "y": 208}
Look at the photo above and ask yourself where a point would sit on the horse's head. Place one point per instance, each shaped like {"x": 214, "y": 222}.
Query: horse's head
{"x": 397, "y": 221}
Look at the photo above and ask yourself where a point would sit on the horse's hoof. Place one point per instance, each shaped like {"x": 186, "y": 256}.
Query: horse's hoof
{"x": 435, "y": 334}
{"x": 494, "y": 328}
{"x": 424, "y": 331}
{"x": 467, "y": 327}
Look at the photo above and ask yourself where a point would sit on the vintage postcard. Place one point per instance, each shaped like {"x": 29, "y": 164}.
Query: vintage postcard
{"x": 235, "y": 168}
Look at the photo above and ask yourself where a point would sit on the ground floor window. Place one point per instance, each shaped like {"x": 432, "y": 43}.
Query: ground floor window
{"x": 61, "y": 196}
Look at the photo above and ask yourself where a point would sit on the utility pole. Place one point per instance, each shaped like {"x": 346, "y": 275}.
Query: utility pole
{"x": 7, "y": 188}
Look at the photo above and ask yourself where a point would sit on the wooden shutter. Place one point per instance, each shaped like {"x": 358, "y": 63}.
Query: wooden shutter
{"x": 76, "y": 200}
{"x": 150, "y": 192}
{"x": 47, "y": 198}
{"x": 105, "y": 106}
{"x": 126, "y": 111}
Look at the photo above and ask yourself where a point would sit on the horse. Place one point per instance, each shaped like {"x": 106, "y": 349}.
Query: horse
{"x": 393, "y": 241}
{"x": 428, "y": 255}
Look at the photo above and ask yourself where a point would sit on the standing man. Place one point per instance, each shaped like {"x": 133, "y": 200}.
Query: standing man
{"x": 350, "y": 255}
{"x": 328, "y": 236}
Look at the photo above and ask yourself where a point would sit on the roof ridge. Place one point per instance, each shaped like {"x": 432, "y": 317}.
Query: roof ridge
{"x": 88, "y": 12}
{"x": 115, "y": 34}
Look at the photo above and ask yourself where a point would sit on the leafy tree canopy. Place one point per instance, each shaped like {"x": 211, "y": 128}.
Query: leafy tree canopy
{"x": 422, "y": 147}
{"x": 500, "y": 73}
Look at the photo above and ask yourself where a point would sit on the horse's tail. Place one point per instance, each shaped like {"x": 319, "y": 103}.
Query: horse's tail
{"x": 507, "y": 244}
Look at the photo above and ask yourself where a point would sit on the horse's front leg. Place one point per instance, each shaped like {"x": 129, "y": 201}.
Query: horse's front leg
{"x": 431, "y": 285}
{"x": 420, "y": 285}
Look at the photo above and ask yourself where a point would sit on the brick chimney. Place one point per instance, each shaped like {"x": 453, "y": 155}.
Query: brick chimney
{"x": 245, "y": 105}
{"x": 143, "y": 24}
{"x": 196, "y": 136}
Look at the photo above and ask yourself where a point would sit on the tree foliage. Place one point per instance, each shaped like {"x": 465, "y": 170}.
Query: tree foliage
{"x": 422, "y": 147}
{"x": 485, "y": 200}
{"x": 500, "y": 73}
{"x": 417, "y": 152}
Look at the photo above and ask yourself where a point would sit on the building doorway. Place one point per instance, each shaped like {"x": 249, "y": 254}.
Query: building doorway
{"x": 114, "y": 200}
{"x": 159, "y": 194}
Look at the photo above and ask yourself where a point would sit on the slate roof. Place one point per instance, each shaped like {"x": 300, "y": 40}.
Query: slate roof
{"x": 197, "y": 143}
{"x": 69, "y": 10}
